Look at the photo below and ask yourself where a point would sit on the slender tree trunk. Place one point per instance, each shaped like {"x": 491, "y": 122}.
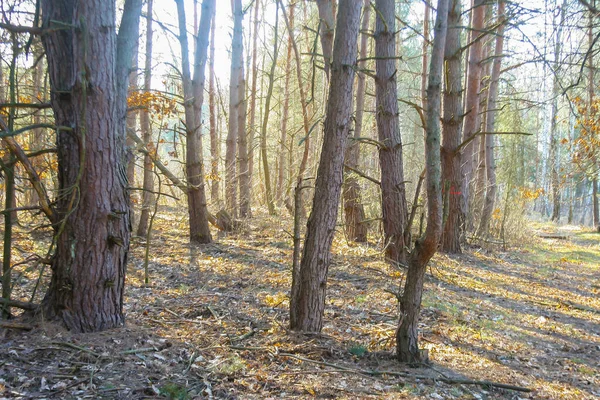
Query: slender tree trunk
{"x": 285, "y": 115}
{"x": 451, "y": 130}
{"x": 490, "y": 162}
{"x": 132, "y": 122}
{"x": 148, "y": 180}
{"x": 327, "y": 29}
{"x": 193, "y": 92}
{"x": 212, "y": 104}
{"x": 308, "y": 292}
{"x": 88, "y": 268}
{"x": 472, "y": 118}
{"x": 253, "y": 128}
{"x": 407, "y": 349}
{"x": 234, "y": 110}
{"x": 244, "y": 173}
{"x": 356, "y": 229}
{"x": 265, "y": 123}
{"x": 393, "y": 192}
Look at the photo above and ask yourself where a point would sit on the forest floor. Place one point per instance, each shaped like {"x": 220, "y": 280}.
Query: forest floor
{"x": 213, "y": 324}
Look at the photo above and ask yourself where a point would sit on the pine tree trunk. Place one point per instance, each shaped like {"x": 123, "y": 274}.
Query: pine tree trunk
{"x": 88, "y": 268}
{"x": 407, "y": 349}
{"x": 490, "y": 162}
{"x": 148, "y": 175}
{"x": 393, "y": 192}
{"x": 451, "y": 129}
{"x": 472, "y": 116}
{"x": 308, "y": 287}
{"x": 252, "y": 128}
{"x": 354, "y": 212}
{"x": 327, "y": 17}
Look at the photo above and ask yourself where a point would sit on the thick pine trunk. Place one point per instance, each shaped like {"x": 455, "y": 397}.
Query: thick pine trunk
{"x": 393, "y": 192}
{"x": 407, "y": 349}
{"x": 148, "y": 174}
{"x": 88, "y": 268}
{"x": 354, "y": 212}
{"x": 308, "y": 287}
{"x": 451, "y": 129}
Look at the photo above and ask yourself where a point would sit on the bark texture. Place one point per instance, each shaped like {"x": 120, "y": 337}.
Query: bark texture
{"x": 309, "y": 284}
{"x": 354, "y": 212}
{"x": 88, "y": 269}
{"x": 451, "y": 129}
{"x": 393, "y": 191}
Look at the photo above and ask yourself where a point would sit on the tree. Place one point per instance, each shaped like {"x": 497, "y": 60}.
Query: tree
{"x": 451, "y": 130}
{"x": 193, "y": 92}
{"x": 148, "y": 175}
{"x": 235, "y": 103}
{"x": 393, "y": 192}
{"x": 212, "y": 104}
{"x": 93, "y": 226}
{"x": 309, "y": 282}
{"x": 326, "y": 30}
{"x": 407, "y": 349}
{"x": 356, "y": 229}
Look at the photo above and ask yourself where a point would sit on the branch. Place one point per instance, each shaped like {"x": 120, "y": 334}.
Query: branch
{"x": 38, "y": 106}
{"x": 19, "y": 304}
{"x": 21, "y": 29}
{"x": 469, "y": 140}
{"x": 361, "y": 174}
{"x": 417, "y": 108}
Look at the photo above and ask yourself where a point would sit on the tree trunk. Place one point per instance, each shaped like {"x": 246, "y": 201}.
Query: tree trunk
{"x": 131, "y": 123}
{"x": 451, "y": 130}
{"x": 193, "y": 92}
{"x": 252, "y": 128}
{"x": 212, "y": 104}
{"x": 327, "y": 17}
{"x": 265, "y": 122}
{"x": 393, "y": 192}
{"x": 490, "y": 162}
{"x": 88, "y": 268}
{"x": 472, "y": 117}
{"x": 148, "y": 180}
{"x": 234, "y": 110}
{"x": 595, "y": 208}
{"x": 244, "y": 172}
{"x": 354, "y": 212}
{"x": 308, "y": 287}
{"x": 281, "y": 192}
{"x": 407, "y": 349}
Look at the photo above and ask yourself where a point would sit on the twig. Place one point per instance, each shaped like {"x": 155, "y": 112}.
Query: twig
{"x": 19, "y": 304}
{"x": 15, "y": 325}
{"x": 75, "y": 347}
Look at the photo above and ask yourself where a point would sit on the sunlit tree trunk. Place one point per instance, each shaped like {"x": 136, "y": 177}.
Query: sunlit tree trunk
{"x": 490, "y": 162}
{"x": 407, "y": 346}
{"x": 148, "y": 180}
{"x": 354, "y": 212}
{"x": 243, "y": 150}
{"x": 309, "y": 286}
{"x": 252, "y": 128}
{"x": 88, "y": 268}
{"x": 234, "y": 110}
{"x": 451, "y": 129}
{"x": 193, "y": 93}
{"x": 212, "y": 104}
{"x": 472, "y": 117}
{"x": 393, "y": 192}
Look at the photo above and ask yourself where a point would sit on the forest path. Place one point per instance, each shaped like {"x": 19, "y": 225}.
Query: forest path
{"x": 214, "y": 321}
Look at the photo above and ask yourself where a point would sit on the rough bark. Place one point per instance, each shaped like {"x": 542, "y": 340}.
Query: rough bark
{"x": 393, "y": 191}
{"x": 88, "y": 268}
{"x": 234, "y": 110}
{"x": 451, "y": 130}
{"x": 193, "y": 92}
{"x": 308, "y": 287}
{"x": 354, "y": 212}
{"x": 407, "y": 349}
{"x": 148, "y": 175}
{"x": 490, "y": 162}
{"x": 472, "y": 118}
